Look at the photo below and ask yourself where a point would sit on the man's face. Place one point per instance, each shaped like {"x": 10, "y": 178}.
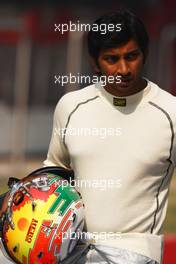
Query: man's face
{"x": 126, "y": 61}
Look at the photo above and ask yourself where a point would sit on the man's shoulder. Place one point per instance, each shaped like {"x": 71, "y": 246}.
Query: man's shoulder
{"x": 164, "y": 100}
{"x": 71, "y": 100}
{"x": 79, "y": 96}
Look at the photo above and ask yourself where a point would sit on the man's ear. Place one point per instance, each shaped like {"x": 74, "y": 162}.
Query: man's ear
{"x": 94, "y": 66}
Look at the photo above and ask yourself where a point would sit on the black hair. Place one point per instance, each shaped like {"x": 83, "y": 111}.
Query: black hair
{"x": 131, "y": 28}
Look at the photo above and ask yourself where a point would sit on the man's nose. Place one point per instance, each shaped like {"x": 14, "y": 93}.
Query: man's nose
{"x": 123, "y": 68}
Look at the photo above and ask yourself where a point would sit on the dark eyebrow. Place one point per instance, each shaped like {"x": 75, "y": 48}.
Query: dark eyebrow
{"x": 132, "y": 51}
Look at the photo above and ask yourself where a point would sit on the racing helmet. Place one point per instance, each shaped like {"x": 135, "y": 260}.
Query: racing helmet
{"x": 43, "y": 219}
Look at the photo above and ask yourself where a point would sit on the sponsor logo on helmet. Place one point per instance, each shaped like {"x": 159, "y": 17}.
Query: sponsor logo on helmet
{"x": 31, "y": 230}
